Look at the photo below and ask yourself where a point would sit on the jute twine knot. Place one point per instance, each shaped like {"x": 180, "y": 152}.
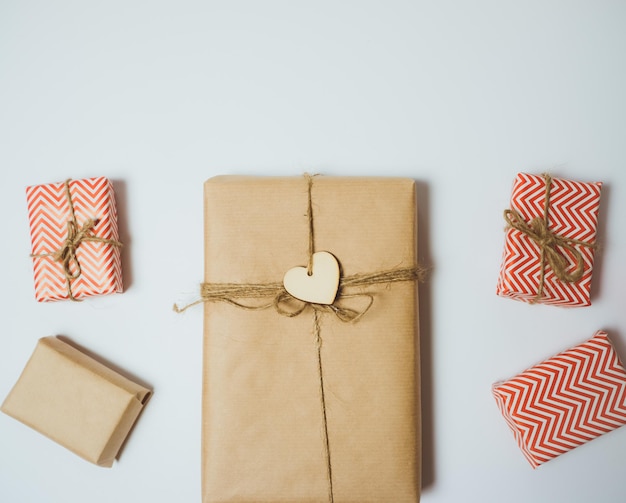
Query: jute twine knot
{"x": 549, "y": 243}
{"x": 66, "y": 254}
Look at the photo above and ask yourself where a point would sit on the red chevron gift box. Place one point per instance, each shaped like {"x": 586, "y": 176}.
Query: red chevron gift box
{"x": 565, "y": 401}
{"x": 550, "y": 240}
{"x": 74, "y": 238}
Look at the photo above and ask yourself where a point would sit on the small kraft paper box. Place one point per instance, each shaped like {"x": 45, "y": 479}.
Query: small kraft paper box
{"x": 550, "y": 241}
{"x": 74, "y": 239}
{"x": 76, "y": 401}
{"x": 566, "y": 400}
{"x": 305, "y": 401}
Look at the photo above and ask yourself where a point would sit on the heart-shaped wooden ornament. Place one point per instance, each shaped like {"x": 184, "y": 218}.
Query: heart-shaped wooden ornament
{"x": 318, "y": 288}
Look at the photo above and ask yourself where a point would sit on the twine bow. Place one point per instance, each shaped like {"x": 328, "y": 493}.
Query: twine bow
{"x": 549, "y": 243}
{"x": 66, "y": 254}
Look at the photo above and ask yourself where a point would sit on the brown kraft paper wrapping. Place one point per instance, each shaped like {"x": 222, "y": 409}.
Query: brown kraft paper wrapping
{"x": 263, "y": 430}
{"x": 76, "y": 401}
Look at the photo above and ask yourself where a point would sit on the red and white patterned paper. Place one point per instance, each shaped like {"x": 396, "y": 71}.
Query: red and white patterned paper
{"x": 573, "y": 214}
{"x": 48, "y": 214}
{"x": 565, "y": 401}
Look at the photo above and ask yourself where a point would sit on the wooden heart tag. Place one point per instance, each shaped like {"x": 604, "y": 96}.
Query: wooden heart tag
{"x": 318, "y": 288}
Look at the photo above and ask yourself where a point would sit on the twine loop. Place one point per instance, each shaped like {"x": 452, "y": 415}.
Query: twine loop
{"x": 66, "y": 254}
{"x": 538, "y": 230}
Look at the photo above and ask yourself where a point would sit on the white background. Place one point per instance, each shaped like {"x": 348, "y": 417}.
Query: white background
{"x": 159, "y": 96}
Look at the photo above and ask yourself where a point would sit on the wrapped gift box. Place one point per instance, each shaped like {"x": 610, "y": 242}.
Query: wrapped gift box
{"x": 76, "y": 401}
{"x": 565, "y": 401}
{"x": 49, "y": 212}
{"x": 263, "y": 420}
{"x": 572, "y": 214}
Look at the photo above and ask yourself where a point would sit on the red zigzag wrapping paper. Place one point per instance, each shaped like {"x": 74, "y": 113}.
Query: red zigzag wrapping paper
{"x": 565, "y": 401}
{"x": 573, "y": 214}
{"x": 48, "y": 214}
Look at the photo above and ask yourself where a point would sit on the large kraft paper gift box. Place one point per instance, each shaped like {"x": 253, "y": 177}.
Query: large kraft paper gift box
{"x": 286, "y": 419}
{"x": 76, "y": 401}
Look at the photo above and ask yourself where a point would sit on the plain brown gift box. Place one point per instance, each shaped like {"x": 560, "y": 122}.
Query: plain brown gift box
{"x": 76, "y": 401}
{"x": 263, "y": 433}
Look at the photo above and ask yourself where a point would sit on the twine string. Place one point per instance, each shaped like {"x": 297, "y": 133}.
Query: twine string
{"x": 318, "y": 338}
{"x": 246, "y": 295}
{"x": 326, "y": 442}
{"x": 538, "y": 230}
{"x": 66, "y": 254}
{"x": 309, "y": 213}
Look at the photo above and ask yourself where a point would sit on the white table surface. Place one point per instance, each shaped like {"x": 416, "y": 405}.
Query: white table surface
{"x": 159, "y": 96}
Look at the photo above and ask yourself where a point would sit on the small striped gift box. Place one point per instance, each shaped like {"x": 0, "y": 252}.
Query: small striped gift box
{"x": 61, "y": 212}
{"x": 566, "y": 400}
{"x": 554, "y": 220}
